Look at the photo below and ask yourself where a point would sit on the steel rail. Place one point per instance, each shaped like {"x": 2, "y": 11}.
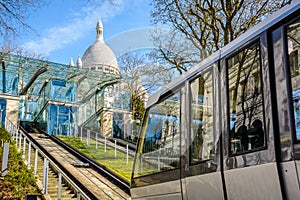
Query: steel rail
{"x": 113, "y": 177}
{"x": 84, "y": 191}
{"x": 101, "y": 169}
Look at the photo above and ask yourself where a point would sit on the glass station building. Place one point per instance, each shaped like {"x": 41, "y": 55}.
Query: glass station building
{"x": 61, "y": 98}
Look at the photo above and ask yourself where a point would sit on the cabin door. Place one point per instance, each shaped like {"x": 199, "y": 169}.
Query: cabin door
{"x": 286, "y": 50}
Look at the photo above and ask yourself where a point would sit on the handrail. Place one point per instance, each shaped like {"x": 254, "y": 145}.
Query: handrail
{"x": 72, "y": 181}
{"x": 58, "y": 170}
{"x": 77, "y": 185}
{"x": 52, "y": 163}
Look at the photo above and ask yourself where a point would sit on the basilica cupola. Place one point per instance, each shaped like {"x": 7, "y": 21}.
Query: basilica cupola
{"x": 99, "y": 56}
{"x": 99, "y": 31}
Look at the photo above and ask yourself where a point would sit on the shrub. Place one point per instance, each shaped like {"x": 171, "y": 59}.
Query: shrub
{"x": 19, "y": 180}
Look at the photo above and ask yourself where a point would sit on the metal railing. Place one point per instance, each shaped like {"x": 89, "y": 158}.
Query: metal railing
{"x": 21, "y": 140}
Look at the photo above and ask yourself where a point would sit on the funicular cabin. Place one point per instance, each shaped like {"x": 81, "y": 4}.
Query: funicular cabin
{"x": 237, "y": 122}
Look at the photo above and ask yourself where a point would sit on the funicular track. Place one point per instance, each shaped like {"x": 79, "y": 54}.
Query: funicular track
{"x": 94, "y": 180}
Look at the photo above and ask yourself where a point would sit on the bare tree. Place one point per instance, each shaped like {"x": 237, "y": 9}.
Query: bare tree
{"x": 138, "y": 68}
{"x": 209, "y": 24}
{"x": 9, "y": 48}
{"x": 174, "y": 50}
{"x": 13, "y": 15}
{"x": 130, "y": 65}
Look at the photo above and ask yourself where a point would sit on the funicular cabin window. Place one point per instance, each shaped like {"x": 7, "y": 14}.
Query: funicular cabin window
{"x": 294, "y": 68}
{"x": 202, "y": 137}
{"x": 245, "y": 100}
{"x": 161, "y": 138}
{"x": 293, "y": 44}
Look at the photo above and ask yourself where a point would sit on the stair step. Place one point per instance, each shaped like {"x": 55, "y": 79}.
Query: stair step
{"x": 66, "y": 192}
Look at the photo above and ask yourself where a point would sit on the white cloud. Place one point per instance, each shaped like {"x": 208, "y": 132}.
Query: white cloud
{"x": 135, "y": 39}
{"x": 58, "y": 37}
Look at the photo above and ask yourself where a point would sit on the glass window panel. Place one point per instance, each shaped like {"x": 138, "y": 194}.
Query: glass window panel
{"x": 293, "y": 41}
{"x": 9, "y": 82}
{"x": 245, "y": 100}
{"x": 202, "y": 137}
{"x": 160, "y": 145}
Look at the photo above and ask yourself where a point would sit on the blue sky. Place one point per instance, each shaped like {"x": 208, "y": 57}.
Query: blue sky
{"x": 67, "y": 27}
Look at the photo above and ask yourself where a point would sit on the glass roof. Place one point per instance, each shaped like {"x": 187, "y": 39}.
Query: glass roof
{"x": 33, "y": 73}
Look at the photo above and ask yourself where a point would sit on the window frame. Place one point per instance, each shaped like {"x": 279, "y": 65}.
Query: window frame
{"x": 289, "y": 79}
{"x": 211, "y": 70}
{"x": 140, "y": 147}
{"x": 226, "y": 63}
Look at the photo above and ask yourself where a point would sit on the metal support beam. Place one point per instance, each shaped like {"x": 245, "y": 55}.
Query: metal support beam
{"x": 34, "y": 77}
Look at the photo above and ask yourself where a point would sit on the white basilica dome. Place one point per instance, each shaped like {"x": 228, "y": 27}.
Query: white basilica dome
{"x": 99, "y": 56}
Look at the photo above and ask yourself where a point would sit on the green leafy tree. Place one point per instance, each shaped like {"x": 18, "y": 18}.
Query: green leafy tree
{"x": 4, "y": 135}
{"x": 137, "y": 107}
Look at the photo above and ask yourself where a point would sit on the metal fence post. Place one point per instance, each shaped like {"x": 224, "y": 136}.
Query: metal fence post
{"x": 12, "y": 133}
{"x": 24, "y": 147}
{"x": 88, "y": 137}
{"x": 59, "y": 187}
{"x": 35, "y": 161}
{"x": 28, "y": 161}
{"x": 59, "y": 130}
{"x": 8, "y": 126}
{"x": 69, "y": 130}
{"x": 115, "y": 148}
{"x": 5, "y": 122}
{"x": 20, "y": 142}
{"x": 17, "y": 135}
{"x": 75, "y": 130}
{"x": 141, "y": 164}
{"x": 104, "y": 144}
{"x": 96, "y": 140}
{"x": 158, "y": 162}
{"x": 127, "y": 153}
{"x": 45, "y": 179}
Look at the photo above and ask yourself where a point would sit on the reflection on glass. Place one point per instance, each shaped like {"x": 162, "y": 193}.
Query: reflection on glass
{"x": 245, "y": 100}
{"x": 293, "y": 41}
{"x": 63, "y": 91}
{"x": 202, "y": 145}
{"x": 160, "y": 145}
{"x": 9, "y": 81}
